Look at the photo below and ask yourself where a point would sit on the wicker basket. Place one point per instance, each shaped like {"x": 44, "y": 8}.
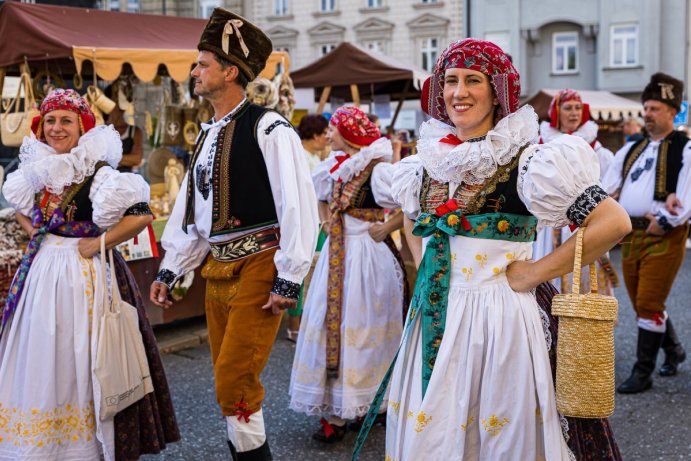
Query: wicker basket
{"x": 585, "y": 351}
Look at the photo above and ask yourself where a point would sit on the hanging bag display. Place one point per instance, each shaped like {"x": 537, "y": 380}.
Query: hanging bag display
{"x": 585, "y": 350}
{"x": 15, "y": 123}
{"x": 121, "y": 366}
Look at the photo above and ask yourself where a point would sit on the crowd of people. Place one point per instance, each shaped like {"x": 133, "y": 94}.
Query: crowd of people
{"x": 461, "y": 368}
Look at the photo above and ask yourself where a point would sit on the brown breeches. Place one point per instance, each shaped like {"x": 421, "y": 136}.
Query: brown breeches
{"x": 241, "y": 333}
{"x": 650, "y": 264}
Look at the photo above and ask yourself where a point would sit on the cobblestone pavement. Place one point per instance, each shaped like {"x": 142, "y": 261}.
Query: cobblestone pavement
{"x": 649, "y": 427}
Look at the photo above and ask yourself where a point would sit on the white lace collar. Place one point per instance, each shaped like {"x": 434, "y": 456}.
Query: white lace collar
{"x": 587, "y": 132}
{"x": 42, "y": 167}
{"x": 475, "y": 161}
{"x": 379, "y": 149}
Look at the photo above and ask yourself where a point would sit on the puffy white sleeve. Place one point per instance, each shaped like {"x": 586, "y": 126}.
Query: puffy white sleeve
{"x": 323, "y": 183}
{"x": 406, "y": 182}
{"x": 683, "y": 191}
{"x": 559, "y": 181}
{"x": 382, "y": 177}
{"x": 606, "y": 158}
{"x": 294, "y": 198}
{"x": 185, "y": 251}
{"x": 612, "y": 179}
{"x": 18, "y": 193}
{"x": 112, "y": 193}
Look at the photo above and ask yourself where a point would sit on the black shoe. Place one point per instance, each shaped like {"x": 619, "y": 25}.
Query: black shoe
{"x": 674, "y": 351}
{"x": 646, "y": 353}
{"x": 262, "y": 453}
{"x": 329, "y": 433}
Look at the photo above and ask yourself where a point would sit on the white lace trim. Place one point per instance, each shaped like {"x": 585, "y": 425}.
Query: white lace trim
{"x": 345, "y": 413}
{"x": 379, "y": 149}
{"x": 587, "y": 132}
{"x": 42, "y": 167}
{"x": 545, "y": 328}
{"x": 474, "y": 162}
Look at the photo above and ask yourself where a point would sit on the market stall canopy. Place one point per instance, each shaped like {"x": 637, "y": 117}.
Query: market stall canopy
{"x": 603, "y": 105}
{"x": 372, "y": 73}
{"x": 58, "y": 35}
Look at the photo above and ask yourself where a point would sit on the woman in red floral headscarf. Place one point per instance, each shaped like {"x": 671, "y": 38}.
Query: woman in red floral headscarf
{"x": 568, "y": 114}
{"x": 66, "y": 193}
{"x": 351, "y": 323}
{"x": 473, "y": 378}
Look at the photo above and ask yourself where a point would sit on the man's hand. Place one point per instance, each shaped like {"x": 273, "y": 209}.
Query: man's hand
{"x": 672, "y": 204}
{"x": 277, "y": 303}
{"x": 519, "y": 275}
{"x": 88, "y": 247}
{"x": 378, "y": 232}
{"x": 158, "y": 294}
{"x": 654, "y": 228}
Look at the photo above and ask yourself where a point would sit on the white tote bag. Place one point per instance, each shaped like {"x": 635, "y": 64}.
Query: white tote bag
{"x": 121, "y": 366}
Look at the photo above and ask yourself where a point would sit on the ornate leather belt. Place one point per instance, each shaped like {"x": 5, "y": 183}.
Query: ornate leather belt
{"x": 247, "y": 245}
{"x": 639, "y": 223}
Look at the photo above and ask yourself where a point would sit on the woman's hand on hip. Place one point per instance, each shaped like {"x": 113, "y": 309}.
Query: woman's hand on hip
{"x": 89, "y": 246}
{"x": 520, "y": 275}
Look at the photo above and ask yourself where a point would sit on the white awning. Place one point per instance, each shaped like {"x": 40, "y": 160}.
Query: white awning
{"x": 607, "y": 106}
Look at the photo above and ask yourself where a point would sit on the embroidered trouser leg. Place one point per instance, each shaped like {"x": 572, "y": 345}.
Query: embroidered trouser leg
{"x": 650, "y": 264}
{"x": 241, "y": 333}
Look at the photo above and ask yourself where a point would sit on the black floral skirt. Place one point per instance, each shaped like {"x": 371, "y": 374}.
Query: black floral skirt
{"x": 148, "y": 425}
{"x": 589, "y": 439}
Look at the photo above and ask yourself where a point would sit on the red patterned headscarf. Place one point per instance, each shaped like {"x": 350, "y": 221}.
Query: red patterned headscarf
{"x": 559, "y": 99}
{"x": 355, "y": 127}
{"x": 61, "y": 99}
{"x": 478, "y": 55}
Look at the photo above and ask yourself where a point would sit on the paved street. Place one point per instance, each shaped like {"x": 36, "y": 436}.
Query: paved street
{"x": 649, "y": 427}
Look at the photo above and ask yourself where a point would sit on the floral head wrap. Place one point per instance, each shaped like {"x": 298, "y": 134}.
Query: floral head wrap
{"x": 355, "y": 127}
{"x": 61, "y": 99}
{"x": 478, "y": 55}
{"x": 559, "y": 99}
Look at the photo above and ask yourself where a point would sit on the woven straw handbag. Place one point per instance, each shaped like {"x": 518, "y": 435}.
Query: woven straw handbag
{"x": 585, "y": 350}
{"x": 16, "y": 123}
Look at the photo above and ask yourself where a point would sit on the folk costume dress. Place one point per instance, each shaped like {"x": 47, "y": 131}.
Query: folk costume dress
{"x": 356, "y": 291}
{"x": 548, "y": 238}
{"x": 47, "y": 387}
{"x": 473, "y": 378}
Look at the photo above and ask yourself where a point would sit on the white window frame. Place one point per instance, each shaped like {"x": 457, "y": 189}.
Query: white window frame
{"x": 375, "y": 3}
{"x": 377, "y": 45}
{"x": 327, "y": 6}
{"x": 429, "y": 50}
{"x": 624, "y": 37}
{"x": 206, "y": 7}
{"x": 281, "y": 7}
{"x": 428, "y": 1}
{"x": 565, "y": 49}
{"x": 326, "y": 48}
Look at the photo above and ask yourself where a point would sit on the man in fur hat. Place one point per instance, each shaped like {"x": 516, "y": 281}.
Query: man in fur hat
{"x": 652, "y": 180}
{"x": 248, "y": 177}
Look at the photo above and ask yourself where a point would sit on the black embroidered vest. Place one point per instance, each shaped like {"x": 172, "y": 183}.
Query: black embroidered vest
{"x": 75, "y": 203}
{"x": 242, "y": 197}
{"x": 498, "y": 194}
{"x": 669, "y": 161}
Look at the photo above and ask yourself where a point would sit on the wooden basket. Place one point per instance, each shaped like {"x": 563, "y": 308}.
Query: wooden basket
{"x": 585, "y": 350}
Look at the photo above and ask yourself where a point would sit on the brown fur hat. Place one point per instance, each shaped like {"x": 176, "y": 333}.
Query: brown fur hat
{"x": 664, "y": 88}
{"x": 234, "y": 38}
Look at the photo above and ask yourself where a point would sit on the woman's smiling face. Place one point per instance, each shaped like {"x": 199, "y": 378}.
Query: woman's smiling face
{"x": 61, "y": 129}
{"x": 470, "y": 102}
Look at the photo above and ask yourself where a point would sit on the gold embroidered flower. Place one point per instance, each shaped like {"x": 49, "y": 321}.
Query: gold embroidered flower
{"x": 453, "y": 220}
{"x": 425, "y": 220}
{"x": 503, "y": 225}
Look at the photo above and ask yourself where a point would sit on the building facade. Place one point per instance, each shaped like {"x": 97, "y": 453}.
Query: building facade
{"x": 412, "y": 31}
{"x": 612, "y": 45}
{"x": 189, "y": 8}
